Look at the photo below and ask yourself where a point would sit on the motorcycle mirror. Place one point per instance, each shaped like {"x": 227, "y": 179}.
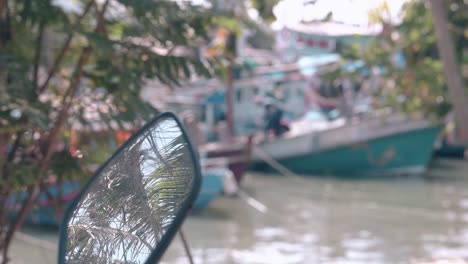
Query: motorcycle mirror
{"x": 133, "y": 205}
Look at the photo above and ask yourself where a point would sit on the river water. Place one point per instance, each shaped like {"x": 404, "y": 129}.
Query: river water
{"x": 336, "y": 220}
{"x": 324, "y": 219}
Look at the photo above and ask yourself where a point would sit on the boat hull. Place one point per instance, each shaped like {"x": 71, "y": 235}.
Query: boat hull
{"x": 44, "y": 213}
{"x": 234, "y": 155}
{"x": 452, "y": 151}
{"x": 407, "y": 151}
{"x": 212, "y": 187}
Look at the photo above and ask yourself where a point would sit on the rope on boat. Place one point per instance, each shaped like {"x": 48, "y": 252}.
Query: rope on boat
{"x": 273, "y": 163}
{"x": 254, "y": 203}
{"x": 257, "y": 205}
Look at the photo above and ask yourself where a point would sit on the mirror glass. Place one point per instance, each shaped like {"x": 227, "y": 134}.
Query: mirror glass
{"x": 134, "y": 199}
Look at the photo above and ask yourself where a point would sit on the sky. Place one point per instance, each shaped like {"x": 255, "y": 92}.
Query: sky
{"x": 289, "y": 12}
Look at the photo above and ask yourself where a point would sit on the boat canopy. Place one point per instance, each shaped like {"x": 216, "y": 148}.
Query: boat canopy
{"x": 217, "y": 97}
{"x": 308, "y": 65}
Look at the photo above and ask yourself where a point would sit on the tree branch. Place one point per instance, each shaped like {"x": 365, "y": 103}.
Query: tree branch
{"x": 66, "y": 102}
{"x": 2, "y": 4}
{"x": 37, "y": 55}
{"x": 5, "y": 26}
{"x": 68, "y": 98}
{"x": 15, "y": 146}
{"x": 25, "y": 209}
{"x": 66, "y": 46}
{"x": 101, "y": 27}
{"x": 11, "y": 154}
{"x": 56, "y": 201}
{"x": 34, "y": 189}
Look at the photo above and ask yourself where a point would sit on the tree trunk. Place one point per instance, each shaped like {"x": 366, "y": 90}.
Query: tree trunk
{"x": 451, "y": 69}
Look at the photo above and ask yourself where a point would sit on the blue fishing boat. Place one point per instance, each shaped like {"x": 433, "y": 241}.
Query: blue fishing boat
{"x": 451, "y": 151}
{"x": 213, "y": 183}
{"x": 43, "y": 213}
{"x": 392, "y": 144}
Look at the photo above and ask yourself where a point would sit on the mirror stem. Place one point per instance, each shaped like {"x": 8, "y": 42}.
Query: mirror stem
{"x": 186, "y": 246}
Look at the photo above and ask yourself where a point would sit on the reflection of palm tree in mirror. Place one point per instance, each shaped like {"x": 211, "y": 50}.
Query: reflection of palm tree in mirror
{"x": 134, "y": 200}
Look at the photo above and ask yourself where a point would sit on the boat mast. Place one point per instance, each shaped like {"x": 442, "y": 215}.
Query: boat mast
{"x": 229, "y": 103}
{"x": 231, "y": 52}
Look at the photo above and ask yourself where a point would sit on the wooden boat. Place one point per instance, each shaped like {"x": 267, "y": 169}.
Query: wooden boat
{"x": 391, "y": 144}
{"x": 235, "y": 155}
{"x": 231, "y": 152}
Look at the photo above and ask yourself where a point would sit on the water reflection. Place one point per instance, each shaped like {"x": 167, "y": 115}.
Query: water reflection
{"x": 130, "y": 206}
{"x": 337, "y": 220}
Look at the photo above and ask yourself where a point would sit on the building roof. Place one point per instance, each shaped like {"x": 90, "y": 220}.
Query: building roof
{"x": 333, "y": 29}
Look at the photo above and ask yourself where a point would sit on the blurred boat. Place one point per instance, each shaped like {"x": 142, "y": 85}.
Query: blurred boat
{"x": 451, "y": 151}
{"x": 451, "y": 145}
{"x": 215, "y": 181}
{"x": 230, "y": 152}
{"x": 43, "y": 213}
{"x": 234, "y": 155}
{"x": 392, "y": 144}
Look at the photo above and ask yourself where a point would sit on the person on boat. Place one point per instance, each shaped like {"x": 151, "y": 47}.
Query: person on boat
{"x": 314, "y": 99}
{"x": 274, "y": 111}
{"x": 273, "y": 117}
{"x": 347, "y": 96}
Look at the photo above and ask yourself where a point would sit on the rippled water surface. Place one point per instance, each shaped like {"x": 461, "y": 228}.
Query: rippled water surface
{"x": 336, "y": 220}
{"x": 319, "y": 220}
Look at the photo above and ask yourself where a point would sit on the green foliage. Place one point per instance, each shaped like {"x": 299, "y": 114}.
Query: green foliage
{"x": 65, "y": 166}
{"x": 259, "y": 37}
{"x": 83, "y": 68}
{"x": 228, "y": 22}
{"x": 420, "y": 85}
{"x": 265, "y": 9}
{"x": 122, "y": 57}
